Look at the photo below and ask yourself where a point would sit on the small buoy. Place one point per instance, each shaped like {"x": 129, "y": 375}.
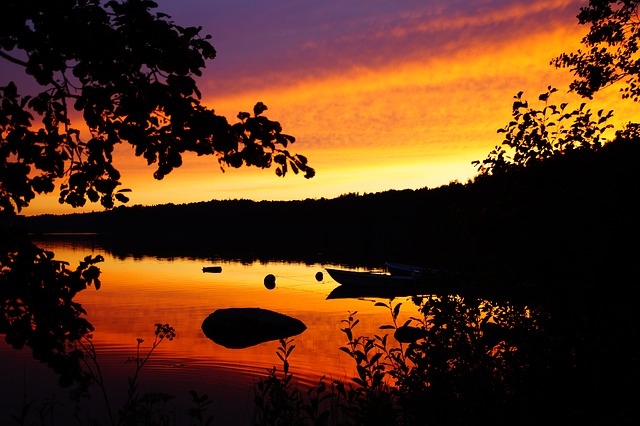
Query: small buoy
{"x": 270, "y": 281}
{"x": 319, "y": 276}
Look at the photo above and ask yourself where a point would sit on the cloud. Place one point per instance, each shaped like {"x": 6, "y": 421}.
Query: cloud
{"x": 323, "y": 38}
{"x": 448, "y": 102}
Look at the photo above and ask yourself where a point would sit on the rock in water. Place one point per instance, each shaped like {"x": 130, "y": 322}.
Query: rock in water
{"x": 237, "y": 328}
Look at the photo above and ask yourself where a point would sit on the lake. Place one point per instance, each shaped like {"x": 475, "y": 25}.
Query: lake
{"x": 139, "y": 291}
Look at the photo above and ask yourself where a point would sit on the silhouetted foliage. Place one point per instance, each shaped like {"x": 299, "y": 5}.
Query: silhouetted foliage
{"x": 277, "y": 400}
{"x": 475, "y": 361}
{"x": 611, "y": 49}
{"x": 535, "y": 135}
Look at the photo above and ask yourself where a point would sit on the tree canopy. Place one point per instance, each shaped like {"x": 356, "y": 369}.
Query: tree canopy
{"x": 129, "y": 72}
{"x": 611, "y": 45}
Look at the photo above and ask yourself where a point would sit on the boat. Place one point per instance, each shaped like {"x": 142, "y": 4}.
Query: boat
{"x": 354, "y": 284}
{"x": 402, "y": 269}
{"x": 366, "y": 279}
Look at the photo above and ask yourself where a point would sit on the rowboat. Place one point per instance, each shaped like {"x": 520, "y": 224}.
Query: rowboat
{"x": 404, "y": 269}
{"x": 367, "y": 279}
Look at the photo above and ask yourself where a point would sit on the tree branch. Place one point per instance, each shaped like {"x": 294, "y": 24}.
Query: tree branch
{"x": 12, "y": 59}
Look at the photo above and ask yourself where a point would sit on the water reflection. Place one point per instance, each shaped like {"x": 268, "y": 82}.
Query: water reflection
{"x": 374, "y": 292}
{"x": 139, "y": 291}
{"x": 448, "y": 353}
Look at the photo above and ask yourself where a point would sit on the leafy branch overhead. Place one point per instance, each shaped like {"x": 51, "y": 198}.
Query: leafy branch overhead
{"x": 611, "y": 49}
{"x": 130, "y": 74}
{"x": 534, "y": 135}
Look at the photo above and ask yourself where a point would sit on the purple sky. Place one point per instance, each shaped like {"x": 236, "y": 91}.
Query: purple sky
{"x": 258, "y": 40}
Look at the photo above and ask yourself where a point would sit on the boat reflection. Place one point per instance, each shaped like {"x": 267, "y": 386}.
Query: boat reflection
{"x": 369, "y": 279}
{"x": 377, "y": 292}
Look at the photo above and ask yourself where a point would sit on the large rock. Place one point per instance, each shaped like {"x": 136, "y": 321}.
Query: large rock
{"x": 238, "y": 328}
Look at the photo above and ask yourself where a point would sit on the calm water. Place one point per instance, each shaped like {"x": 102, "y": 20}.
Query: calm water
{"x": 138, "y": 292}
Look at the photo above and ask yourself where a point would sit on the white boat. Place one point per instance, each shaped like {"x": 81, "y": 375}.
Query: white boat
{"x": 368, "y": 279}
{"x": 404, "y": 269}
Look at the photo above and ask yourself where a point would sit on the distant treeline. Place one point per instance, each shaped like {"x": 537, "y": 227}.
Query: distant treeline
{"x": 572, "y": 213}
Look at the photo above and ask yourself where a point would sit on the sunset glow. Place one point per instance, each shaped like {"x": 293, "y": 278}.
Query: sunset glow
{"x": 379, "y": 97}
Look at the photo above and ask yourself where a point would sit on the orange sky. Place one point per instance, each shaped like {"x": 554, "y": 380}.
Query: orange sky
{"x": 379, "y": 95}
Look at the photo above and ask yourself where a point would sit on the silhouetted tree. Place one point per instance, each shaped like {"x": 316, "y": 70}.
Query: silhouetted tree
{"x": 128, "y": 74}
{"x": 611, "y": 53}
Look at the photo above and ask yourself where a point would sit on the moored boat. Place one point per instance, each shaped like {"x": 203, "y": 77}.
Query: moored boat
{"x": 355, "y": 278}
{"x": 402, "y": 269}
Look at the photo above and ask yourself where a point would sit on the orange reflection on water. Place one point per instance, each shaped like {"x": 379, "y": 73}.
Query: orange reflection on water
{"x": 137, "y": 293}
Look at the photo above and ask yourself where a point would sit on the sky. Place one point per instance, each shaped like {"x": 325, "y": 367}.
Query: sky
{"x": 379, "y": 94}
